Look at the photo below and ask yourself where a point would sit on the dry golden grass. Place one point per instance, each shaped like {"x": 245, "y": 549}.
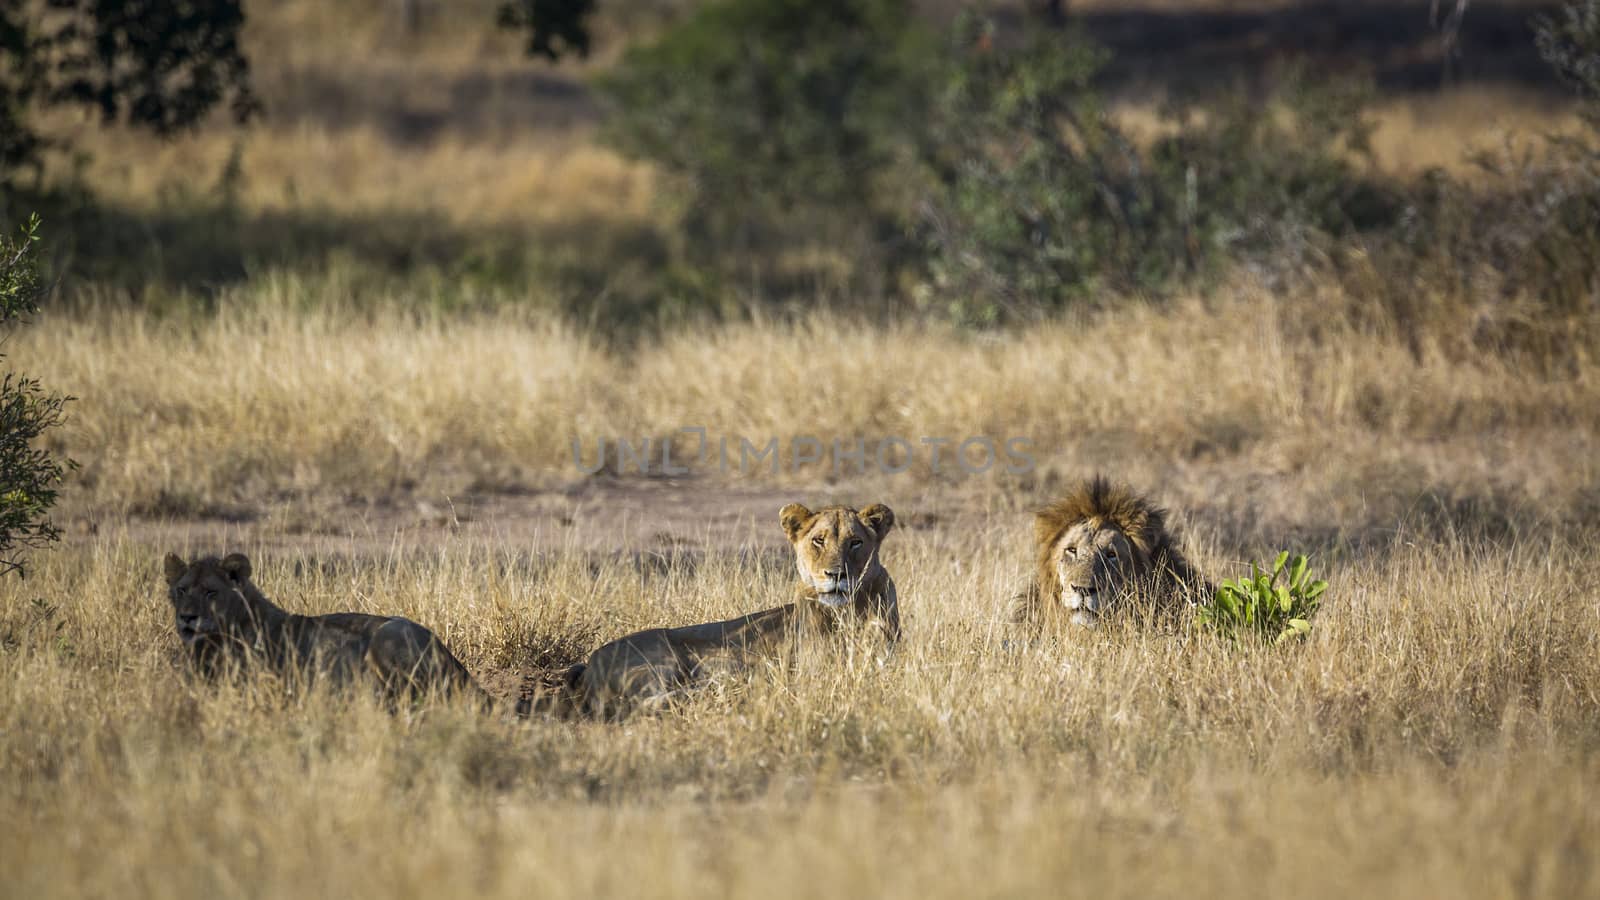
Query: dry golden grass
{"x": 310, "y": 169}
{"x": 1449, "y": 691}
{"x": 1412, "y": 134}
{"x": 294, "y": 392}
{"x": 1435, "y": 737}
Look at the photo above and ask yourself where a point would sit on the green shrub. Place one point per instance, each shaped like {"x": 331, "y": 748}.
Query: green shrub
{"x": 776, "y": 119}
{"x": 1505, "y": 267}
{"x": 1042, "y": 201}
{"x": 1570, "y": 43}
{"x": 28, "y": 475}
{"x": 1259, "y": 606}
{"x": 1039, "y": 196}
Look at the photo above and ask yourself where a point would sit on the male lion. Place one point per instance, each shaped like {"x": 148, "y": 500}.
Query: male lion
{"x": 1094, "y": 545}
{"x": 221, "y": 615}
{"x": 842, "y": 581}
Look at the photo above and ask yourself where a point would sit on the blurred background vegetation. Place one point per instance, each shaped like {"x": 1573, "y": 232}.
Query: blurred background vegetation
{"x": 641, "y": 166}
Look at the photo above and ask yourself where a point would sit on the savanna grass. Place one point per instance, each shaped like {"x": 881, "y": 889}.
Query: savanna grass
{"x": 1448, "y": 690}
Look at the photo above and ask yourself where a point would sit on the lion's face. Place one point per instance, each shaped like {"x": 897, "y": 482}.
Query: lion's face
{"x": 1094, "y": 544}
{"x": 836, "y": 548}
{"x": 209, "y": 603}
{"x": 1093, "y": 562}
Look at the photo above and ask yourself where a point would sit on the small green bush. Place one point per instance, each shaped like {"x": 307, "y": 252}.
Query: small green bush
{"x": 1259, "y": 606}
{"x": 28, "y": 474}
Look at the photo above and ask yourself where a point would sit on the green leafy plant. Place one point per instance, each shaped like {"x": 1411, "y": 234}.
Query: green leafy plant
{"x": 1263, "y": 606}
{"x": 28, "y": 474}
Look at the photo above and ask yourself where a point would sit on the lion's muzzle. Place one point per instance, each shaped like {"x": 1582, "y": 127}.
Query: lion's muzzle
{"x": 1085, "y": 603}
{"x": 833, "y": 588}
{"x": 194, "y": 628}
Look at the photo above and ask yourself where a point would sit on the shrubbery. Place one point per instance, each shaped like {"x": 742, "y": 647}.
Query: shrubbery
{"x": 778, "y": 120}
{"x": 28, "y": 474}
{"x": 988, "y": 178}
{"x": 843, "y": 148}
{"x": 1042, "y": 200}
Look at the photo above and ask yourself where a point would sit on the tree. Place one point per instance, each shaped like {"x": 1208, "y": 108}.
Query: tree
{"x": 28, "y": 474}
{"x": 155, "y": 64}
{"x": 1571, "y": 43}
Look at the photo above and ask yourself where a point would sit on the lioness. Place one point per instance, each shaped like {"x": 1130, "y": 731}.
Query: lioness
{"x": 842, "y": 581}
{"x": 1095, "y": 544}
{"x": 221, "y": 615}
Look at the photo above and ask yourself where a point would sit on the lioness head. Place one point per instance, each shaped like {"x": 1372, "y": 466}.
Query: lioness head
{"x": 1093, "y": 544}
{"x": 211, "y": 599}
{"x": 836, "y": 547}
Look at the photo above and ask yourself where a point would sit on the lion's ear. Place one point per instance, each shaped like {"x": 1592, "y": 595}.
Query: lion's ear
{"x": 879, "y": 518}
{"x": 237, "y": 565}
{"x": 794, "y": 518}
{"x": 174, "y": 567}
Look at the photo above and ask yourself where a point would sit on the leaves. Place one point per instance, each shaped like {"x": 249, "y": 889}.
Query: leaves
{"x": 154, "y": 65}
{"x": 28, "y": 474}
{"x": 1264, "y": 604}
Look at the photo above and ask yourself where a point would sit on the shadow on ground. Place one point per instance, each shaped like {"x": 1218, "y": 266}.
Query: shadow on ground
{"x": 1184, "y": 51}
{"x": 193, "y": 248}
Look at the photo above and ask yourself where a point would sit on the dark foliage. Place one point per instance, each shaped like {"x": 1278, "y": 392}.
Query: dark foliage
{"x": 152, "y": 64}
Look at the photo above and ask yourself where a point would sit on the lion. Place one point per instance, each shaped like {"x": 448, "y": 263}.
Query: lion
{"x": 1093, "y": 547}
{"x": 842, "y": 583}
{"x": 222, "y": 617}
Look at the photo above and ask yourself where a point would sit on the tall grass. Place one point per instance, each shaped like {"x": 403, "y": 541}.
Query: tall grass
{"x": 294, "y": 392}
{"x": 1447, "y": 694}
{"x": 1434, "y": 736}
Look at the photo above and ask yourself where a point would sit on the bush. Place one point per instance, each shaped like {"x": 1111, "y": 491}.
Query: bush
{"x": 1259, "y": 606}
{"x": 1571, "y": 44}
{"x": 1508, "y": 268}
{"x": 777, "y": 120}
{"x": 1039, "y": 197}
{"x": 835, "y": 147}
{"x": 1045, "y": 202}
{"x": 28, "y": 475}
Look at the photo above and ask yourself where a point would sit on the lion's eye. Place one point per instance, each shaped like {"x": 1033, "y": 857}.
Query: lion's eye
{"x": 818, "y": 540}
{"x": 1072, "y": 550}
{"x": 1111, "y": 556}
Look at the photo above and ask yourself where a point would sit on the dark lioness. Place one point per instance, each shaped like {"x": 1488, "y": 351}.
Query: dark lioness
{"x": 1092, "y": 547}
{"x": 221, "y": 616}
{"x": 842, "y": 582}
